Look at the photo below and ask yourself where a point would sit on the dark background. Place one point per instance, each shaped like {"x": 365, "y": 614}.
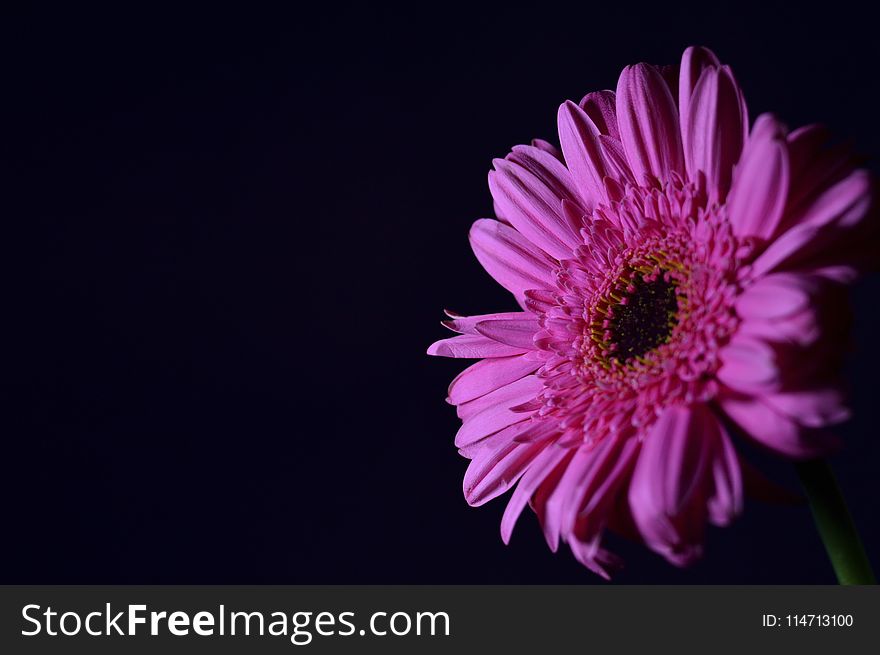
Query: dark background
{"x": 231, "y": 237}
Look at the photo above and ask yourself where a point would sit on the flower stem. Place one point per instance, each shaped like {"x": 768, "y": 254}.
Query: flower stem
{"x": 835, "y": 524}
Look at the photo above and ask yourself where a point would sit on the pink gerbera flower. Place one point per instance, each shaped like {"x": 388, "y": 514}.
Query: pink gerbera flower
{"x": 680, "y": 279}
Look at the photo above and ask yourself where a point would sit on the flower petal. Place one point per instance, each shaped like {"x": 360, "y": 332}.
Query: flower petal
{"x": 727, "y": 501}
{"x": 587, "y": 487}
{"x": 517, "y": 332}
{"x": 615, "y": 162}
{"x": 492, "y": 472}
{"x": 777, "y": 432}
{"x": 694, "y": 61}
{"x": 507, "y": 396}
{"x": 595, "y": 558}
{"x": 490, "y": 413}
{"x": 844, "y": 205}
{"x": 510, "y": 258}
{"x": 539, "y": 470}
{"x": 814, "y": 408}
{"x": 712, "y": 131}
{"x": 749, "y": 365}
{"x": 802, "y": 329}
{"x": 760, "y": 184}
{"x": 582, "y": 150}
{"x": 488, "y": 375}
{"x": 816, "y": 162}
{"x": 600, "y": 106}
{"x": 550, "y": 521}
{"x": 468, "y": 324}
{"x": 776, "y": 296}
{"x": 547, "y": 147}
{"x": 529, "y": 187}
{"x": 783, "y": 249}
{"x": 831, "y": 232}
{"x": 648, "y": 121}
{"x": 470, "y": 346}
{"x": 683, "y": 458}
{"x": 601, "y": 494}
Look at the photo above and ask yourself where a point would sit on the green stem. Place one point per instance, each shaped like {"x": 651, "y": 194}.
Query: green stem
{"x": 835, "y": 524}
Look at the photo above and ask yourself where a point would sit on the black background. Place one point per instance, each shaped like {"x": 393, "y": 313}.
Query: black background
{"x": 231, "y": 236}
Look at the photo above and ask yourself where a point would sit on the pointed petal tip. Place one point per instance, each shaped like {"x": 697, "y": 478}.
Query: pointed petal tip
{"x": 702, "y": 53}
{"x": 649, "y": 123}
{"x": 438, "y": 349}
{"x": 506, "y": 533}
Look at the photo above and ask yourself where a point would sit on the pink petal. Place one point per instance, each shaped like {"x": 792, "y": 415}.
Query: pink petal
{"x": 712, "y": 131}
{"x": 467, "y": 324}
{"x": 600, "y": 492}
{"x": 694, "y": 61}
{"x": 673, "y": 459}
{"x": 507, "y": 396}
{"x": 802, "y": 328}
{"x": 547, "y": 147}
{"x": 833, "y": 230}
{"x": 487, "y": 424}
{"x": 541, "y": 467}
{"x": 510, "y": 258}
{"x": 816, "y": 163}
{"x": 776, "y": 296}
{"x": 469, "y": 346}
{"x": 776, "y": 432}
{"x": 492, "y": 473}
{"x": 582, "y": 150}
{"x": 529, "y": 187}
{"x": 845, "y": 204}
{"x": 588, "y": 487}
{"x": 594, "y": 557}
{"x": 600, "y": 106}
{"x": 562, "y": 505}
{"x": 550, "y": 521}
{"x": 814, "y": 408}
{"x": 517, "y": 332}
{"x": 490, "y": 413}
{"x": 488, "y": 375}
{"x": 760, "y": 185}
{"x": 648, "y": 121}
{"x": 539, "y": 301}
{"x": 835, "y": 240}
{"x": 727, "y": 501}
{"x": 683, "y": 457}
{"x": 749, "y": 365}
{"x": 615, "y": 161}
{"x": 783, "y": 249}
{"x": 841, "y": 273}
{"x": 503, "y": 439}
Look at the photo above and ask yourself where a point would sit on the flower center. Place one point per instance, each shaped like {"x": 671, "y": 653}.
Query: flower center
{"x": 639, "y": 312}
{"x": 645, "y": 317}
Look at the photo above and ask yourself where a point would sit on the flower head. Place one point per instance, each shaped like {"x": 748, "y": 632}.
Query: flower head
{"x": 679, "y": 277}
